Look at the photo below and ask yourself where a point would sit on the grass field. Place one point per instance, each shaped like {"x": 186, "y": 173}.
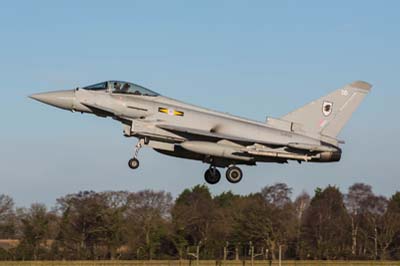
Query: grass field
{"x": 200, "y": 263}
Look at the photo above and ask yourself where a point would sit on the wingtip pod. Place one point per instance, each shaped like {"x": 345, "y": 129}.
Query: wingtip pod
{"x": 359, "y": 84}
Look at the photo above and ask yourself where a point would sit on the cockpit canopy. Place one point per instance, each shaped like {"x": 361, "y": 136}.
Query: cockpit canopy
{"x": 122, "y": 87}
{"x": 97, "y": 87}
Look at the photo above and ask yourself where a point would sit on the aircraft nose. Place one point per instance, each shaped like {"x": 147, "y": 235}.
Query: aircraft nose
{"x": 60, "y": 99}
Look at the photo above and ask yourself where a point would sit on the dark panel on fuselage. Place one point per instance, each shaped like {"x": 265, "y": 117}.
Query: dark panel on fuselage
{"x": 216, "y": 161}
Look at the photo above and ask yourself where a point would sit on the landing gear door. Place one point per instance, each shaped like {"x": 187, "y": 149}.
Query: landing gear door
{"x": 135, "y": 127}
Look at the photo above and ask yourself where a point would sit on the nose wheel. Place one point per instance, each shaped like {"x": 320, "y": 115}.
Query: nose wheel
{"x": 212, "y": 175}
{"x": 134, "y": 162}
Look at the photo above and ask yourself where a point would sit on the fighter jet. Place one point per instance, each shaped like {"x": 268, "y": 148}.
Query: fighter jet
{"x": 179, "y": 129}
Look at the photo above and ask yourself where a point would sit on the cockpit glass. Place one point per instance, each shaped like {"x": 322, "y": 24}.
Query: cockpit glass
{"x": 97, "y": 87}
{"x": 130, "y": 88}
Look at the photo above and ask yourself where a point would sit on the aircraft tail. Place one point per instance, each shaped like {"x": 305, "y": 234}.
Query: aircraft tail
{"x": 329, "y": 114}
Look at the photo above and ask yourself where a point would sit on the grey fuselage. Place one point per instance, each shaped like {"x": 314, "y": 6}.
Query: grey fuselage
{"x": 184, "y": 130}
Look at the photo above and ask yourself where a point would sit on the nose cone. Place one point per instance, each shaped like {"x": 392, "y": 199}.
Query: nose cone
{"x": 60, "y": 99}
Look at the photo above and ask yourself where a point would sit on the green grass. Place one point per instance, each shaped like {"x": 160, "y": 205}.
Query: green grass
{"x": 201, "y": 263}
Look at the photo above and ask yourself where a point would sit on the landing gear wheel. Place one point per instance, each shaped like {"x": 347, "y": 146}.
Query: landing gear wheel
{"x": 212, "y": 176}
{"x": 234, "y": 174}
{"x": 133, "y": 163}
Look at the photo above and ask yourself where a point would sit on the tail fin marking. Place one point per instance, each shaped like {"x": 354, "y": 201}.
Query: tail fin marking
{"x": 329, "y": 114}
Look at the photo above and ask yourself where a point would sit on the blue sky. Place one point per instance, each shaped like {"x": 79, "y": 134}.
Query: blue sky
{"x": 252, "y": 59}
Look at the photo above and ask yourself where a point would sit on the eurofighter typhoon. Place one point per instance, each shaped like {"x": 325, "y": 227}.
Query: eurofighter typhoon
{"x": 175, "y": 128}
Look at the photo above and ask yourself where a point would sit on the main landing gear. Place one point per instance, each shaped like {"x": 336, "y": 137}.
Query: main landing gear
{"x": 212, "y": 175}
{"x": 134, "y": 162}
{"x": 233, "y": 175}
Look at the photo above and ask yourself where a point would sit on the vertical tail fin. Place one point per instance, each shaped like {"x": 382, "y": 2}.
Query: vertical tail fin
{"x": 329, "y": 114}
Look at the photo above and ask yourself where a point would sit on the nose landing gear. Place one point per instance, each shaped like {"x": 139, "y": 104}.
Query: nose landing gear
{"x": 134, "y": 162}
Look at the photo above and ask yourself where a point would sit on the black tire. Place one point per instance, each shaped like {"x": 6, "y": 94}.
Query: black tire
{"x": 212, "y": 176}
{"x": 234, "y": 174}
{"x": 133, "y": 163}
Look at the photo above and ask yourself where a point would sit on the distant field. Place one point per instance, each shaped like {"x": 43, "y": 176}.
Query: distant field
{"x": 201, "y": 263}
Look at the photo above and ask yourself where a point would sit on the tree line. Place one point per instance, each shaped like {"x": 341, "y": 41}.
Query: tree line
{"x": 152, "y": 225}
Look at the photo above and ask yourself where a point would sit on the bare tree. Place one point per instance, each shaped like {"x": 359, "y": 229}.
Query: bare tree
{"x": 301, "y": 203}
{"x": 325, "y": 226}
{"x": 375, "y": 208}
{"x": 7, "y": 217}
{"x": 34, "y": 227}
{"x": 356, "y": 201}
{"x": 389, "y": 226}
{"x": 278, "y": 194}
{"x": 91, "y": 224}
{"x": 147, "y": 213}
{"x": 195, "y": 219}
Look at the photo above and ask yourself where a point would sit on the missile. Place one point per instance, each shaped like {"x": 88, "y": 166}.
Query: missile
{"x": 214, "y": 149}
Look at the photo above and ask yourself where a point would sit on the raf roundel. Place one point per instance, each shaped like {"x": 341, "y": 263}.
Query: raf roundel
{"x": 170, "y": 111}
